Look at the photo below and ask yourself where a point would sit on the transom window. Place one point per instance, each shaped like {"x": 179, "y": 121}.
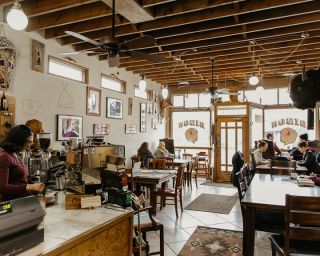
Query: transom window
{"x": 67, "y": 70}
{"x": 113, "y": 84}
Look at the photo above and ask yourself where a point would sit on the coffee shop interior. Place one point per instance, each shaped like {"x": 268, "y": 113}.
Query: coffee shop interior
{"x": 168, "y": 127}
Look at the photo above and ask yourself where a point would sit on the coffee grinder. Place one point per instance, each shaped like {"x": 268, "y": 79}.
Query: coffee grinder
{"x": 44, "y": 140}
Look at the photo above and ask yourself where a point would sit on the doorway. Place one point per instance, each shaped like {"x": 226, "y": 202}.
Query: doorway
{"x": 231, "y": 136}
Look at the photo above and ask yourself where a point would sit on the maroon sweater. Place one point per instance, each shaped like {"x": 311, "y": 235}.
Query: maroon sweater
{"x": 13, "y": 177}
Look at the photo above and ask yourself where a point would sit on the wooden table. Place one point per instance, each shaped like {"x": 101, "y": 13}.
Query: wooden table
{"x": 152, "y": 178}
{"x": 181, "y": 162}
{"x": 267, "y": 193}
{"x": 265, "y": 169}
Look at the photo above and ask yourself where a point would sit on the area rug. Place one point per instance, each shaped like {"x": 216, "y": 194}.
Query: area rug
{"x": 207, "y": 241}
{"x": 217, "y": 184}
{"x": 212, "y": 203}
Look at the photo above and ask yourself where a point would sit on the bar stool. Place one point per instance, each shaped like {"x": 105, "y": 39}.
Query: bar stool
{"x": 203, "y": 162}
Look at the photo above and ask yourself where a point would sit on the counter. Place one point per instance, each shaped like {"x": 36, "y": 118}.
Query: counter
{"x": 99, "y": 232}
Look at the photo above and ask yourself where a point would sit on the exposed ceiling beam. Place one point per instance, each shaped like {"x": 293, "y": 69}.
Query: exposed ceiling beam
{"x": 80, "y": 13}
{"x": 131, "y": 10}
{"x": 149, "y": 3}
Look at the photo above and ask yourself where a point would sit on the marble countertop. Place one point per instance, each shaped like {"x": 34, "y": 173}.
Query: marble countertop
{"x": 61, "y": 225}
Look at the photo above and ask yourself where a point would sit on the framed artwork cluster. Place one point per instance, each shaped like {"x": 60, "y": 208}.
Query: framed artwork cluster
{"x": 143, "y": 109}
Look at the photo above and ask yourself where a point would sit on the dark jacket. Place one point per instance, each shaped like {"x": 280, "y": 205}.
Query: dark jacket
{"x": 237, "y": 163}
{"x": 144, "y": 156}
{"x": 310, "y": 162}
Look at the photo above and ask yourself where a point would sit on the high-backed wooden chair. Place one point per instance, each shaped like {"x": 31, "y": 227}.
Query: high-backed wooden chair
{"x": 155, "y": 163}
{"x": 282, "y": 167}
{"x": 135, "y": 159}
{"x": 191, "y": 172}
{"x": 187, "y": 156}
{"x": 175, "y": 194}
{"x": 267, "y": 222}
{"x": 302, "y": 228}
{"x": 253, "y": 161}
{"x": 203, "y": 163}
{"x": 147, "y": 224}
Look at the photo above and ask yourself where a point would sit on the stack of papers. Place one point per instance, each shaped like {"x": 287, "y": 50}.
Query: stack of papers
{"x": 304, "y": 182}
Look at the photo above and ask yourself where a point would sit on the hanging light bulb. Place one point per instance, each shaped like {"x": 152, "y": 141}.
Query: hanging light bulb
{"x": 259, "y": 90}
{"x": 142, "y": 84}
{"x": 165, "y": 91}
{"x": 253, "y": 80}
{"x": 16, "y": 18}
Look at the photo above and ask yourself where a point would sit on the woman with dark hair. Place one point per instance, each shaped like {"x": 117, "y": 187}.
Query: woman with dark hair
{"x": 309, "y": 159}
{"x": 13, "y": 173}
{"x": 144, "y": 153}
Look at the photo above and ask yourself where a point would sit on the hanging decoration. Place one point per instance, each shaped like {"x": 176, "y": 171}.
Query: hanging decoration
{"x": 7, "y": 59}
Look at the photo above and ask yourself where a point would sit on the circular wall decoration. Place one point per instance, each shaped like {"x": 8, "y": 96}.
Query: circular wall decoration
{"x": 288, "y": 135}
{"x": 191, "y": 135}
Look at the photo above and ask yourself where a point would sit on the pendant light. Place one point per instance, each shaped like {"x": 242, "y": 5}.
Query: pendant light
{"x": 164, "y": 91}
{"x": 259, "y": 90}
{"x": 254, "y": 79}
{"x": 16, "y": 18}
{"x": 142, "y": 84}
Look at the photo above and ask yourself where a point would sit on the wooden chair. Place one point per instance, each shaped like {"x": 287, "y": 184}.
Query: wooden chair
{"x": 281, "y": 167}
{"x": 302, "y": 228}
{"x": 203, "y": 162}
{"x": 265, "y": 221}
{"x": 156, "y": 163}
{"x": 191, "y": 172}
{"x": 175, "y": 193}
{"x": 253, "y": 161}
{"x": 147, "y": 224}
{"x": 187, "y": 156}
{"x": 135, "y": 159}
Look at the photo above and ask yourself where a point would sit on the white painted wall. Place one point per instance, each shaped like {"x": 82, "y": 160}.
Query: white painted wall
{"x": 43, "y": 91}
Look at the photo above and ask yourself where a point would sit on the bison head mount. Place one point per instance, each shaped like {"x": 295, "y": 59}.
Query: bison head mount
{"x": 305, "y": 89}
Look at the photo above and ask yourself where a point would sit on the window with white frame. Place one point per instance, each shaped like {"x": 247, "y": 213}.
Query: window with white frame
{"x": 177, "y": 100}
{"x": 113, "y": 84}
{"x": 67, "y": 70}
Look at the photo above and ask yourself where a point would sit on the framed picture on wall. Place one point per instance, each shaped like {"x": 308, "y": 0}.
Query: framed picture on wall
{"x": 93, "y": 101}
{"x": 149, "y": 108}
{"x": 155, "y": 108}
{"x": 143, "y": 117}
{"x": 130, "y": 105}
{"x": 154, "y": 122}
{"x": 69, "y": 127}
{"x": 130, "y": 128}
{"x": 114, "y": 108}
{"x": 101, "y": 129}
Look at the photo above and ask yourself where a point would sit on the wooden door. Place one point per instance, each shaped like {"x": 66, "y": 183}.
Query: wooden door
{"x": 231, "y": 136}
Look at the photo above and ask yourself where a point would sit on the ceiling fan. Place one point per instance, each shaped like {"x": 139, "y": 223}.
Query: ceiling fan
{"x": 214, "y": 91}
{"x": 111, "y": 46}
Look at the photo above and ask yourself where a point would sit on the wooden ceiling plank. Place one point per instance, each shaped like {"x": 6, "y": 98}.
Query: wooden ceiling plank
{"x": 276, "y": 43}
{"x": 36, "y": 7}
{"x": 80, "y": 13}
{"x": 104, "y": 22}
{"x": 149, "y": 3}
{"x": 131, "y": 10}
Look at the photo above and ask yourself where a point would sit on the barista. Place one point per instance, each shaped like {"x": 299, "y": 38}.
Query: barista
{"x": 13, "y": 173}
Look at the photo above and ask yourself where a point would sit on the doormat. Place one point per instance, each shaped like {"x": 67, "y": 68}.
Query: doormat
{"x": 217, "y": 184}
{"x": 212, "y": 203}
{"x": 206, "y": 241}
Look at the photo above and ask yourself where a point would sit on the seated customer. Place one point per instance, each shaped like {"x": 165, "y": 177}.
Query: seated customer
{"x": 262, "y": 147}
{"x": 237, "y": 163}
{"x": 161, "y": 151}
{"x": 144, "y": 153}
{"x": 308, "y": 159}
{"x": 295, "y": 153}
{"x": 272, "y": 148}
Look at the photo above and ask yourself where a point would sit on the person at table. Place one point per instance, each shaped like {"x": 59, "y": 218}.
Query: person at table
{"x": 257, "y": 154}
{"x": 161, "y": 151}
{"x": 295, "y": 153}
{"x": 144, "y": 153}
{"x": 272, "y": 148}
{"x": 13, "y": 173}
{"x": 308, "y": 159}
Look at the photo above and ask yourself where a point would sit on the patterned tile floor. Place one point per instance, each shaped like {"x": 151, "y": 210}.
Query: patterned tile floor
{"x": 177, "y": 231}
